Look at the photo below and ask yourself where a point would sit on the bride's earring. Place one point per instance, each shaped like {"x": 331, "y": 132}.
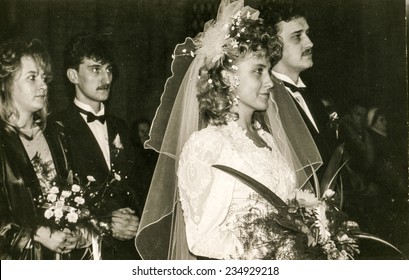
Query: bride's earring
{"x": 234, "y": 82}
{"x": 234, "y": 109}
{"x": 236, "y": 100}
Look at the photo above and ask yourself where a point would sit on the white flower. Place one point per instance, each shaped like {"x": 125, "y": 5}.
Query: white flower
{"x": 117, "y": 142}
{"x": 328, "y": 193}
{"x": 306, "y": 199}
{"x": 58, "y": 213}
{"x": 117, "y": 177}
{"x": 54, "y": 190}
{"x": 79, "y": 200}
{"x": 65, "y": 194}
{"x": 91, "y": 178}
{"x": 59, "y": 204}
{"x": 321, "y": 223}
{"x": 256, "y": 125}
{"x": 51, "y": 197}
{"x": 234, "y": 43}
{"x": 75, "y": 188}
{"x": 48, "y": 213}
{"x": 72, "y": 217}
{"x": 333, "y": 116}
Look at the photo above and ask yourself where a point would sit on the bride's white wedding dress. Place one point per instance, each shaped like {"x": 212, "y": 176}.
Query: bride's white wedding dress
{"x": 219, "y": 210}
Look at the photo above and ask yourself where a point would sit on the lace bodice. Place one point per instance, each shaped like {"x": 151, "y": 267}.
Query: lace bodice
{"x": 214, "y": 203}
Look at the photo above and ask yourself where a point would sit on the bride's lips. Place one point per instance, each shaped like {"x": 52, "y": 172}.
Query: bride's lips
{"x": 266, "y": 94}
{"x": 307, "y": 53}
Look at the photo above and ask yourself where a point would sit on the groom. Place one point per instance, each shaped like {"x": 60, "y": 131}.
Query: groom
{"x": 99, "y": 142}
{"x": 291, "y": 26}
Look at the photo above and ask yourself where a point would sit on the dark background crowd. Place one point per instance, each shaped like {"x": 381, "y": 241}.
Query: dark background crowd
{"x": 359, "y": 64}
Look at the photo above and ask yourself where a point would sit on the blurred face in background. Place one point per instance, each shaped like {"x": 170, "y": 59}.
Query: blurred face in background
{"x": 143, "y": 131}
{"x": 381, "y": 124}
{"x": 358, "y": 115}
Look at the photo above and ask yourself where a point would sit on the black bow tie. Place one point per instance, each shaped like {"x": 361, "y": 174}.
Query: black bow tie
{"x": 91, "y": 117}
{"x": 294, "y": 88}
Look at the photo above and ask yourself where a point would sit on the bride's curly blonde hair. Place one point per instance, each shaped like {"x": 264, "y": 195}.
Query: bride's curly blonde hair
{"x": 247, "y": 37}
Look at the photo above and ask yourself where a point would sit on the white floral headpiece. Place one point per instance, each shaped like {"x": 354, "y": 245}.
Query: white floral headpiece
{"x": 211, "y": 43}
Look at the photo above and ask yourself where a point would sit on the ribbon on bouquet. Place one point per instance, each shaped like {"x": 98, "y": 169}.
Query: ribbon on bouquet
{"x": 96, "y": 246}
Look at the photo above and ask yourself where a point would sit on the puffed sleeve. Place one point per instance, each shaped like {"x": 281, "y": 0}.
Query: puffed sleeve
{"x": 206, "y": 194}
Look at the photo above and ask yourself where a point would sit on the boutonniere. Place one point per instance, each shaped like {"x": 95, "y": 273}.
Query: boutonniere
{"x": 334, "y": 122}
{"x": 117, "y": 144}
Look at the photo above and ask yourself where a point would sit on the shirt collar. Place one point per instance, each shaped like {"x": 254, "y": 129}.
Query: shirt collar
{"x": 88, "y": 108}
{"x": 285, "y": 78}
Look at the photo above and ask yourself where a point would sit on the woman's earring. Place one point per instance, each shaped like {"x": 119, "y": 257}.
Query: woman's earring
{"x": 236, "y": 100}
{"x": 234, "y": 109}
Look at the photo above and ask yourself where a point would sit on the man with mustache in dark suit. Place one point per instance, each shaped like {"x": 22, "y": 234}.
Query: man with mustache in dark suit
{"x": 291, "y": 25}
{"x": 99, "y": 142}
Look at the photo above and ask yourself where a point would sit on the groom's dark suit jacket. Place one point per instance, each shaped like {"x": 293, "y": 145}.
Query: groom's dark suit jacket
{"x": 88, "y": 160}
{"x": 324, "y": 139}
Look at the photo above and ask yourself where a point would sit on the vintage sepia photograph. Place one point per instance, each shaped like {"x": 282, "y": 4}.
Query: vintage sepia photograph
{"x": 204, "y": 130}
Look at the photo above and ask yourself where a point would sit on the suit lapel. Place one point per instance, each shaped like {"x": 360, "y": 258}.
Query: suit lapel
{"x": 14, "y": 147}
{"x": 112, "y": 132}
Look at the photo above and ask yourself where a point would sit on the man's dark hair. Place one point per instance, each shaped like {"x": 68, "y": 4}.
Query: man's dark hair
{"x": 96, "y": 47}
{"x": 277, "y": 12}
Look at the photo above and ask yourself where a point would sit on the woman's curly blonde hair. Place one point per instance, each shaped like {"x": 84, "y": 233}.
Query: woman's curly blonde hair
{"x": 11, "y": 53}
{"x": 215, "y": 96}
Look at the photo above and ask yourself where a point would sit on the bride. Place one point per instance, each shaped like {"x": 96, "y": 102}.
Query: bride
{"x": 224, "y": 113}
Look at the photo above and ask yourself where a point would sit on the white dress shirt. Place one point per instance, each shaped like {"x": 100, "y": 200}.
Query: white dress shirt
{"x": 297, "y": 96}
{"x": 99, "y": 130}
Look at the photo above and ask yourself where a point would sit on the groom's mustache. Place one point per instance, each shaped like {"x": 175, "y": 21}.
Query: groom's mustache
{"x": 103, "y": 87}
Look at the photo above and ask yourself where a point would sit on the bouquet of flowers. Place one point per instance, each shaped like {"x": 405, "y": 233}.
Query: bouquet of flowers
{"x": 71, "y": 203}
{"x": 63, "y": 204}
{"x": 317, "y": 216}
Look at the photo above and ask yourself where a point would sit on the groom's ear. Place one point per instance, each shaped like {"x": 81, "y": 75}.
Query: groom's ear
{"x": 72, "y": 75}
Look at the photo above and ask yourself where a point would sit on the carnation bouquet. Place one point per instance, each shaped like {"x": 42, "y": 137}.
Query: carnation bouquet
{"x": 63, "y": 204}
{"x": 321, "y": 229}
